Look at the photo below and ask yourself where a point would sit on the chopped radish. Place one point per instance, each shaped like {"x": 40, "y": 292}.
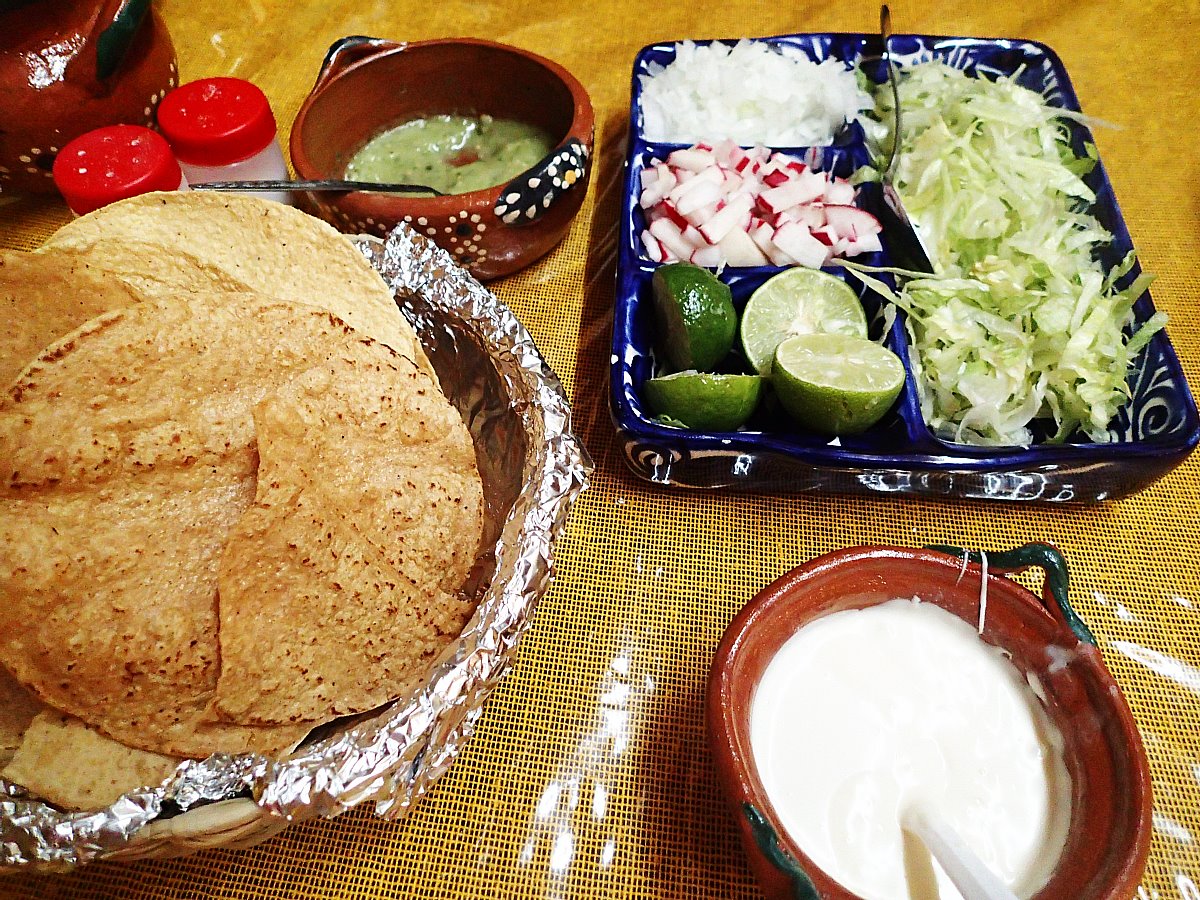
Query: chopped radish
{"x": 698, "y": 217}
{"x": 694, "y": 159}
{"x": 798, "y": 242}
{"x": 654, "y": 247}
{"x": 725, "y": 220}
{"x": 704, "y": 193}
{"x": 672, "y": 239}
{"x": 723, "y": 204}
{"x": 694, "y": 238}
{"x": 708, "y": 256}
{"x": 850, "y": 221}
{"x": 839, "y": 192}
{"x": 801, "y": 189}
{"x": 740, "y": 249}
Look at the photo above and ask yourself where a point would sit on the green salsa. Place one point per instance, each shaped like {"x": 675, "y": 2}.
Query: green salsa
{"x": 452, "y": 154}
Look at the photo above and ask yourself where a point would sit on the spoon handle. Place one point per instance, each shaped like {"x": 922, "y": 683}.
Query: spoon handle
{"x": 974, "y": 880}
{"x": 329, "y": 184}
{"x": 885, "y": 33}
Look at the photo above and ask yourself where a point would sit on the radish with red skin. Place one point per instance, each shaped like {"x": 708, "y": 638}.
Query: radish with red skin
{"x": 776, "y": 177}
{"x": 694, "y": 238}
{"x": 698, "y": 217}
{"x": 724, "y": 220}
{"x": 654, "y": 247}
{"x": 708, "y": 256}
{"x": 798, "y": 242}
{"x": 693, "y": 160}
{"x": 702, "y": 195}
{"x": 850, "y": 221}
{"x": 671, "y": 237}
{"x": 740, "y": 249}
{"x": 674, "y": 215}
{"x": 752, "y": 207}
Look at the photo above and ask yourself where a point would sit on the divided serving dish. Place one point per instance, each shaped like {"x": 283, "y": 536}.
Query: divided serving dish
{"x": 1153, "y": 433}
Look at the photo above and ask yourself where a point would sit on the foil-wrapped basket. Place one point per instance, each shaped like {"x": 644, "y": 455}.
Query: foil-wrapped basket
{"x": 532, "y": 468}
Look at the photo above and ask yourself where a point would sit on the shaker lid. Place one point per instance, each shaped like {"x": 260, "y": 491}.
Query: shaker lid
{"x": 112, "y": 163}
{"x": 216, "y": 121}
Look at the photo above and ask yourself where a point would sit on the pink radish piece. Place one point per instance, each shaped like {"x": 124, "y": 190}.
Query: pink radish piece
{"x": 723, "y": 204}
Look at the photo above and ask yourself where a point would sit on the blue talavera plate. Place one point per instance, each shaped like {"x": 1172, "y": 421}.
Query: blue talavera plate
{"x": 1152, "y": 434}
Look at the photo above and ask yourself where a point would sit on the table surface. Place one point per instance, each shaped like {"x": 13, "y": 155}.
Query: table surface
{"x": 588, "y": 775}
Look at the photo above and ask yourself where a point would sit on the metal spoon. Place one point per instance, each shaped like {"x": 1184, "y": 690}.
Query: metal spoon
{"x": 885, "y": 32}
{"x": 328, "y": 184}
{"x": 909, "y": 248}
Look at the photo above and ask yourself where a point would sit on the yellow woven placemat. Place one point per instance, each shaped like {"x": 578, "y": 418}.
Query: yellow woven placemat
{"x": 588, "y": 775}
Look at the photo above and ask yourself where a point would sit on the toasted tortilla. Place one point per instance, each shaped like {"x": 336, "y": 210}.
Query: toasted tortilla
{"x": 128, "y": 453}
{"x": 166, "y": 382}
{"x": 17, "y": 709}
{"x": 73, "y": 766}
{"x": 43, "y": 297}
{"x": 234, "y": 242}
{"x": 367, "y": 518}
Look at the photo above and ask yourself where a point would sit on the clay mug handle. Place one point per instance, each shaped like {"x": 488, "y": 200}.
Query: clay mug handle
{"x": 116, "y": 26}
{"x": 346, "y": 51}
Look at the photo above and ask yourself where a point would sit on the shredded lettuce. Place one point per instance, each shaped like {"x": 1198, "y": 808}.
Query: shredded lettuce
{"x": 1020, "y": 320}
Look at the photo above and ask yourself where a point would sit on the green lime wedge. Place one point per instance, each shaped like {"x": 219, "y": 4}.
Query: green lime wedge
{"x": 836, "y": 383}
{"x": 703, "y": 401}
{"x": 694, "y": 314}
{"x": 797, "y": 301}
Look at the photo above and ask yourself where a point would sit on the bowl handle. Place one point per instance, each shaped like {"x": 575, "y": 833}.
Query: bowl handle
{"x": 527, "y": 197}
{"x": 346, "y": 51}
{"x": 1054, "y": 588}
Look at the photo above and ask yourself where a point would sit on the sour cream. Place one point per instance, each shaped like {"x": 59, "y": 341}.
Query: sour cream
{"x": 863, "y": 712}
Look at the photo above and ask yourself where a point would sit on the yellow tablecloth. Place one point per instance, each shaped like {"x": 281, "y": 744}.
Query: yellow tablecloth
{"x": 588, "y": 775}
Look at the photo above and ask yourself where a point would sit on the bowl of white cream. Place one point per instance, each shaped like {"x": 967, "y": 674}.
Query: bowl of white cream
{"x": 878, "y": 680}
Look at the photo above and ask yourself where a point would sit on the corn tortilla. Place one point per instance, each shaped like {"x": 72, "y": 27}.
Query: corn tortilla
{"x": 240, "y": 243}
{"x": 129, "y": 454}
{"x": 17, "y": 709}
{"x": 366, "y": 520}
{"x": 73, "y": 766}
{"x": 43, "y": 297}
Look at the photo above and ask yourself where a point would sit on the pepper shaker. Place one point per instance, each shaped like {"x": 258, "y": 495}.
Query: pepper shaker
{"x": 222, "y": 129}
{"x": 113, "y": 163}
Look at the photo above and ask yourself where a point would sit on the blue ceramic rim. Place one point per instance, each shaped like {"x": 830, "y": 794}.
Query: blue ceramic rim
{"x": 932, "y": 453}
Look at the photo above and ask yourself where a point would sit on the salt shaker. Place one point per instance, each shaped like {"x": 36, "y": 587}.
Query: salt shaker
{"x": 113, "y": 163}
{"x": 222, "y": 129}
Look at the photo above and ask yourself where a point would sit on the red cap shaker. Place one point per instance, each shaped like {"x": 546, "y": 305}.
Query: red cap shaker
{"x": 222, "y": 129}
{"x": 112, "y": 163}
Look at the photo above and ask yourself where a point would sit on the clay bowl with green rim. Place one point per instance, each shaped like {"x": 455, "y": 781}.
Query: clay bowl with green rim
{"x": 1109, "y": 836}
{"x": 368, "y": 85}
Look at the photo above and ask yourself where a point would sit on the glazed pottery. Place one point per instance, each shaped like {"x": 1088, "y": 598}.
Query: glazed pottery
{"x": 367, "y": 85}
{"x": 1150, "y": 435}
{"x": 1109, "y": 836}
{"x": 69, "y": 66}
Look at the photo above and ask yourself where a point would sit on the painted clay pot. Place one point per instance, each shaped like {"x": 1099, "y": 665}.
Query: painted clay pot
{"x": 1109, "y": 836}
{"x": 367, "y": 85}
{"x": 67, "y": 67}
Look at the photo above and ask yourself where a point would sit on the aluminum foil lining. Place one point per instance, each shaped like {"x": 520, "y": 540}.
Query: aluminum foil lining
{"x": 532, "y": 469}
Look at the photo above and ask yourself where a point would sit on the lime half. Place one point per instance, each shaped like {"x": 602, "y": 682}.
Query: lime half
{"x": 703, "y": 401}
{"x": 694, "y": 314}
{"x": 798, "y": 301}
{"x": 836, "y": 383}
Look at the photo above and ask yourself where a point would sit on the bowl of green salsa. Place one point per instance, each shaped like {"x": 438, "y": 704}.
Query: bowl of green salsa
{"x": 505, "y": 136}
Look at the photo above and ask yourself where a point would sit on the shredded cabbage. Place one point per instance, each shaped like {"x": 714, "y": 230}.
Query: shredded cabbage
{"x": 1020, "y": 320}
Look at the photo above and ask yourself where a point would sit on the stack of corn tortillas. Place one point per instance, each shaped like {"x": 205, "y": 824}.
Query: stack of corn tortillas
{"x": 234, "y": 503}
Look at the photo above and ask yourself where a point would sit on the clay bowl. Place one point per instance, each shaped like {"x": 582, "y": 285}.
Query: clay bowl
{"x": 1109, "y": 833}
{"x": 367, "y": 85}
